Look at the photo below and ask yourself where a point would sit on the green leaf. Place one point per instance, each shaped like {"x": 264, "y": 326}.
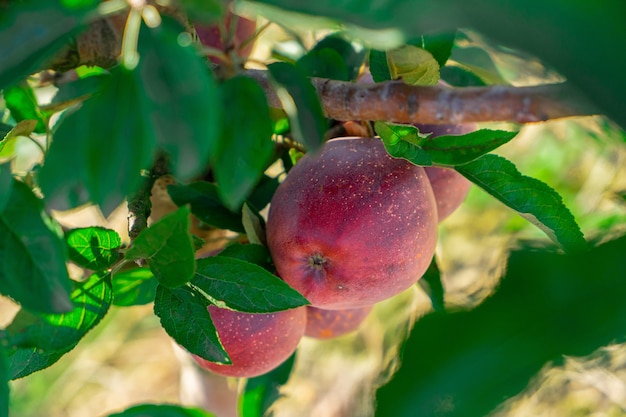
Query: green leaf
{"x": 94, "y": 248}
{"x": 168, "y": 248}
{"x": 378, "y": 66}
{"x": 32, "y": 32}
{"x": 244, "y": 286}
{"x": 301, "y": 103}
{"x": 6, "y": 182}
{"x": 182, "y": 101}
{"x": 403, "y": 141}
{"x": 162, "y": 410}
{"x": 439, "y": 45}
{"x": 458, "y": 76}
{"x": 59, "y": 332}
{"x": 10, "y": 133}
{"x": 21, "y": 102}
{"x": 547, "y": 307}
{"x": 185, "y": 317}
{"x": 256, "y": 254}
{"x": 245, "y": 147}
{"x": 75, "y": 92}
{"x": 530, "y": 198}
{"x": 451, "y": 150}
{"x": 263, "y": 192}
{"x": 323, "y": 63}
{"x": 413, "y": 65}
{"x": 134, "y": 287}
{"x": 99, "y": 150}
{"x": 33, "y": 269}
{"x": 254, "y": 225}
{"x": 432, "y": 286}
{"x": 262, "y": 391}
{"x": 4, "y": 386}
{"x": 353, "y": 59}
{"x": 26, "y": 361}
{"x": 206, "y": 205}
{"x": 204, "y": 11}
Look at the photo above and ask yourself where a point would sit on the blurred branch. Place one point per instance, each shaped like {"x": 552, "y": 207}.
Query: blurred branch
{"x": 398, "y": 102}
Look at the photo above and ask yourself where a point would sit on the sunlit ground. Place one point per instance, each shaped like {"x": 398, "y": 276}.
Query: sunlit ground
{"x": 128, "y": 359}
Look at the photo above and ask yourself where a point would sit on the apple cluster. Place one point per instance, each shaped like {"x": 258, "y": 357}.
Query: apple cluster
{"x": 350, "y": 226}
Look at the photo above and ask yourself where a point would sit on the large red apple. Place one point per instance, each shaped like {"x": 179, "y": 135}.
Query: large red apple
{"x": 256, "y": 343}
{"x": 328, "y": 324}
{"x": 351, "y": 226}
{"x": 450, "y": 187}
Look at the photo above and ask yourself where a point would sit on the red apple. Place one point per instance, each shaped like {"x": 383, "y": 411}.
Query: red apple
{"x": 256, "y": 343}
{"x": 328, "y": 324}
{"x": 351, "y": 226}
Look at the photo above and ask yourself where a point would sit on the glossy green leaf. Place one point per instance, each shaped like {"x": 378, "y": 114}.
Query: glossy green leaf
{"x": 26, "y": 361}
{"x": 134, "y": 287}
{"x": 432, "y": 285}
{"x": 59, "y": 332}
{"x": 548, "y": 306}
{"x": 256, "y": 254}
{"x": 6, "y": 183}
{"x": 182, "y": 101}
{"x": 556, "y": 32}
{"x": 32, "y": 270}
{"x": 450, "y": 150}
{"x": 168, "y": 248}
{"x": 94, "y": 248}
{"x": 244, "y": 286}
{"x": 403, "y": 141}
{"x": 99, "y": 150}
{"x": 4, "y": 386}
{"x": 262, "y": 391}
{"x": 21, "y": 102}
{"x": 206, "y": 205}
{"x": 245, "y": 148}
{"x": 162, "y": 410}
{"x": 530, "y": 198}
{"x": 185, "y": 317}
{"x": 301, "y": 104}
{"x": 32, "y": 32}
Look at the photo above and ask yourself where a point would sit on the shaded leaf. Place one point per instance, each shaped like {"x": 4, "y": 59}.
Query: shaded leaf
{"x": 168, "y": 248}
{"x": 185, "y": 317}
{"x": 530, "y": 198}
{"x": 74, "y": 92}
{"x": 21, "y": 102}
{"x": 254, "y": 225}
{"x": 245, "y": 148}
{"x": 352, "y": 58}
{"x": 134, "y": 287}
{"x": 162, "y": 410}
{"x": 439, "y": 45}
{"x": 476, "y": 359}
{"x": 4, "y": 386}
{"x": 94, "y": 248}
{"x": 33, "y": 269}
{"x": 431, "y": 283}
{"x": 6, "y": 182}
{"x": 323, "y": 63}
{"x": 256, "y": 254}
{"x": 206, "y": 205}
{"x": 262, "y": 391}
{"x": 378, "y": 66}
{"x": 301, "y": 103}
{"x": 26, "y": 361}
{"x": 244, "y": 286}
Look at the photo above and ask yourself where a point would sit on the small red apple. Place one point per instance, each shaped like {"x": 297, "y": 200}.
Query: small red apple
{"x": 256, "y": 343}
{"x": 351, "y": 226}
{"x": 328, "y": 324}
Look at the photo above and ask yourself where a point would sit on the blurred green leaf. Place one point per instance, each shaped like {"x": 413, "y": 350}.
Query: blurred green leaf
{"x": 245, "y": 148}
{"x": 548, "y": 305}
{"x": 94, "y": 248}
{"x": 351, "y": 58}
{"x": 162, "y": 410}
{"x": 6, "y": 183}
{"x": 555, "y": 31}
{"x": 244, "y": 286}
{"x": 378, "y": 66}
{"x": 301, "y": 104}
{"x": 530, "y": 198}
{"x": 185, "y": 317}
{"x": 168, "y": 248}
{"x": 262, "y": 391}
{"x": 59, "y": 332}
{"x": 323, "y": 63}
{"x": 460, "y": 77}
{"x": 33, "y": 269}
{"x": 11, "y": 133}
{"x": 134, "y": 287}
{"x": 204, "y": 11}
{"x": 26, "y": 361}
{"x": 256, "y": 254}
{"x": 450, "y": 150}
{"x": 413, "y": 65}
{"x": 206, "y": 205}
{"x": 99, "y": 150}
{"x": 32, "y": 32}
{"x": 431, "y": 283}
{"x": 75, "y": 92}
{"x": 21, "y": 102}
{"x": 182, "y": 101}
{"x": 4, "y": 386}
{"x": 439, "y": 45}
